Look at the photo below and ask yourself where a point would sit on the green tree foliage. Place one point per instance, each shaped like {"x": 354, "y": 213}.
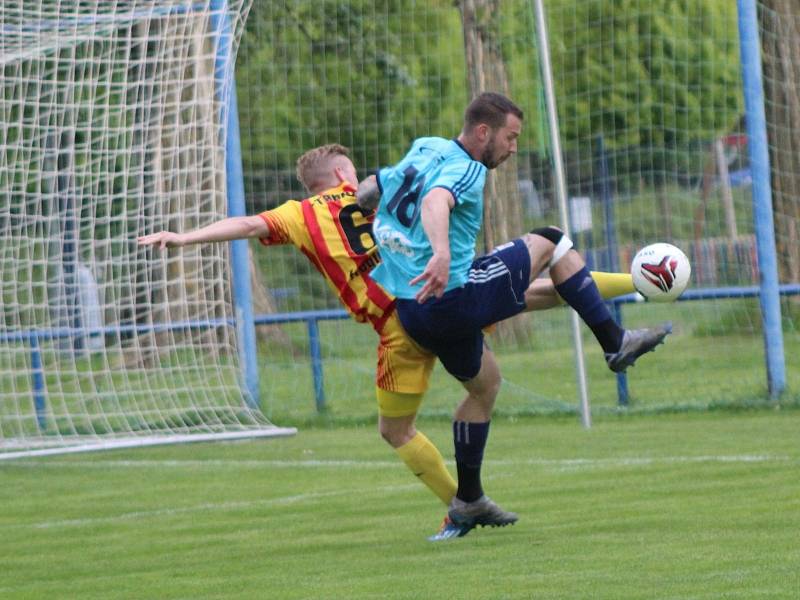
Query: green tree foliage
{"x": 656, "y": 74}
{"x": 646, "y": 72}
{"x": 370, "y": 75}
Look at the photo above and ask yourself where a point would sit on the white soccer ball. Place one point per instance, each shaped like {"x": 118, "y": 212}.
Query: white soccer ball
{"x": 660, "y": 272}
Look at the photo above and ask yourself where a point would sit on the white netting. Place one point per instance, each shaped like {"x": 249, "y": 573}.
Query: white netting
{"x": 654, "y": 90}
{"x": 111, "y": 127}
{"x": 658, "y": 81}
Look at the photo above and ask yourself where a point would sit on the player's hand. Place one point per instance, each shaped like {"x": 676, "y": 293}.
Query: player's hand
{"x": 435, "y": 276}
{"x": 161, "y": 240}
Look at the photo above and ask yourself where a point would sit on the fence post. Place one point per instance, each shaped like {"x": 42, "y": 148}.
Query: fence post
{"x": 612, "y": 252}
{"x": 314, "y": 348}
{"x": 37, "y": 382}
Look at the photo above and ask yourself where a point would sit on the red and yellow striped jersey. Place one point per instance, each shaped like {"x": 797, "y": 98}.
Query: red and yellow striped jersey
{"x": 336, "y": 236}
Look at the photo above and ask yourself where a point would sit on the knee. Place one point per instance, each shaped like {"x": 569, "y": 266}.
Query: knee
{"x": 489, "y": 388}
{"x": 559, "y": 244}
{"x": 387, "y": 434}
{"x": 396, "y": 435}
{"x": 494, "y": 387}
{"x": 551, "y": 233}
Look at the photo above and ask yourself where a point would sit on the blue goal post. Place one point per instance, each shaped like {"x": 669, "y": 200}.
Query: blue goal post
{"x": 234, "y": 178}
{"x": 769, "y": 294}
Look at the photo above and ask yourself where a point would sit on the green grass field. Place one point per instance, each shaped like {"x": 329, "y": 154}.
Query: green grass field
{"x": 649, "y": 506}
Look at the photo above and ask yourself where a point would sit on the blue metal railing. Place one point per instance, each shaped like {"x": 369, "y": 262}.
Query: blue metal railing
{"x": 34, "y": 337}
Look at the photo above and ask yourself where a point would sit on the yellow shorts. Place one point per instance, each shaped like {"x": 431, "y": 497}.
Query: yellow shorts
{"x": 403, "y": 366}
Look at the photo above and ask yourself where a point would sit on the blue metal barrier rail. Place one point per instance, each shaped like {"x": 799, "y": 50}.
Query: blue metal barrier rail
{"x": 34, "y": 337}
{"x": 752, "y": 291}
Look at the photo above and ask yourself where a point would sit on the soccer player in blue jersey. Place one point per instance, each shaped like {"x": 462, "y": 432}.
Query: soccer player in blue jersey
{"x": 429, "y": 211}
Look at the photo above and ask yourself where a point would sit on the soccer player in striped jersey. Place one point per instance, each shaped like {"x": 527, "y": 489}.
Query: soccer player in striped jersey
{"x": 429, "y": 212}
{"x": 335, "y": 234}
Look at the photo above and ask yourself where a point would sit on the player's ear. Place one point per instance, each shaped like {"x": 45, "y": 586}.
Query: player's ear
{"x": 482, "y": 132}
{"x": 339, "y": 172}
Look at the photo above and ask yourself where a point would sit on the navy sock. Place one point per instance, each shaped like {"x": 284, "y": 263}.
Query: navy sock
{"x": 469, "y": 440}
{"x": 581, "y": 293}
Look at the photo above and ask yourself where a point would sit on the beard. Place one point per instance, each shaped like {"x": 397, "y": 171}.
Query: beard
{"x": 489, "y": 156}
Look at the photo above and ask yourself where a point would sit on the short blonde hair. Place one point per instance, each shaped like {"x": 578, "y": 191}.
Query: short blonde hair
{"x": 313, "y": 166}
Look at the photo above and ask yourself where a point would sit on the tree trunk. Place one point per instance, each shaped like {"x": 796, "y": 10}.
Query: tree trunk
{"x": 487, "y": 73}
{"x": 780, "y": 37}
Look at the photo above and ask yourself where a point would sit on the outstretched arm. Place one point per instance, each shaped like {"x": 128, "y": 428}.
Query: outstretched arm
{"x": 368, "y": 193}
{"x": 232, "y": 228}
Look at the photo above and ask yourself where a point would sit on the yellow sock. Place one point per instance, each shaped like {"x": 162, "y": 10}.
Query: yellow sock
{"x": 426, "y": 462}
{"x": 612, "y": 285}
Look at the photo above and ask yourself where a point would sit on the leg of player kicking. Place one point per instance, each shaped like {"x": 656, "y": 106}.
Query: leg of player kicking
{"x": 541, "y": 293}
{"x": 471, "y": 507}
{"x": 418, "y": 453}
{"x": 550, "y": 247}
{"x": 546, "y": 249}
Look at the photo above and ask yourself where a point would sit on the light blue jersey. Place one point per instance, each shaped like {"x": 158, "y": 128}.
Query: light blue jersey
{"x": 405, "y": 250}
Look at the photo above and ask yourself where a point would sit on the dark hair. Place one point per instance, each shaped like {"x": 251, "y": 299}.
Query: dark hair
{"x": 490, "y": 108}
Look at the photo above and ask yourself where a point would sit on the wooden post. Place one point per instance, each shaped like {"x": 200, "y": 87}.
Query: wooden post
{"x": 725, "y": 189}
{"x": 486, "y": 72}
{"x": 780, "y": 57}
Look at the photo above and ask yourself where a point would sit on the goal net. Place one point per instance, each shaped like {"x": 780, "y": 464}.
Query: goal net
{"x": 112, "y": 126}
{"x": 651, "y": 114}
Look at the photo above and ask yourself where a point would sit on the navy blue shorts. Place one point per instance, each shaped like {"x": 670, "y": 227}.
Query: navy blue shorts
{"x": 452, "y": 326}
